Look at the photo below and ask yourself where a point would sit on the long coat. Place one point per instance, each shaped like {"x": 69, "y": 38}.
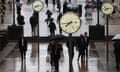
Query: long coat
{"x": 24, "y": 47}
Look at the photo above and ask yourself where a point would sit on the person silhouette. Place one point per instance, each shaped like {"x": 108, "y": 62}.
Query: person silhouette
{"x": 86, "y": 38}
{"x": 81, "y": 48}
{"x": 34, "y": 22}
{"x": 54, "y": 49}
{"x": 52, "y": 27}
{"x": 46, "y": 2}
{"x": 22, "y": 47}
{"x": 58, "y": 21}
{"x": 48, "y": 13}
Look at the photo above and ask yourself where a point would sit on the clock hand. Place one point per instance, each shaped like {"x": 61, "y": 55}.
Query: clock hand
{"x": 107, "y": 8}
{"x": 37, "y": 6}
{"x": 70, "y": 23}
{"x": 67, "y": 24}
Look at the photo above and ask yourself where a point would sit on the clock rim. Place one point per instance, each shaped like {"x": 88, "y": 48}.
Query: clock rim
{"x": 77, "y": 28}
{"x": 102, "y": 8}
{"x": 41, "y": 7}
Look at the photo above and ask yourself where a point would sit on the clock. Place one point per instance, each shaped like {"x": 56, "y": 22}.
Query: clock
{"x": 107, "y": 8}
{"x": 70, "y": 22}
{"x": 37, "y": 5}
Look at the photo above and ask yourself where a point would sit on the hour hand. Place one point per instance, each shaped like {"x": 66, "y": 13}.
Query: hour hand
{"x": 67, "y": 24}
{"x": 106, "y": 8}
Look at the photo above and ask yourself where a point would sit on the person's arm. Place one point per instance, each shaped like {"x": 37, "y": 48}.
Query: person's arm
{"x": 49, "y": 48}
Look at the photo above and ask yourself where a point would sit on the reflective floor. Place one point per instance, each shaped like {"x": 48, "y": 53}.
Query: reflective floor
{"x": 96, "y": 61}
{"x": 33, "y": 63}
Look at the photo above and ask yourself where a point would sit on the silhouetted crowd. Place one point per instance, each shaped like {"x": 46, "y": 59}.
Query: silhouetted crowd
{"x": 55, "y": 49}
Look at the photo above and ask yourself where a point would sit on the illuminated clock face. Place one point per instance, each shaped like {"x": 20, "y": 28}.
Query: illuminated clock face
{"x": 37, "y": 5}
{"x": 70, "y": 22}
{"x": 107, "y": 8}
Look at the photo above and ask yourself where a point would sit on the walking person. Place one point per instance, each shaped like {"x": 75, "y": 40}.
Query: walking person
{"x": 86, "y": 37}
{"x": 81, "y": 48}
{"x": 22, "y": 47}
{"x": 49, "y": 14}
{"x": 58, "y": 21}
{"x": 52, "y": 27}
{"x": 54, "y": 49}
{"x": 117, "y": 53}
{"x": 33, "y": 22}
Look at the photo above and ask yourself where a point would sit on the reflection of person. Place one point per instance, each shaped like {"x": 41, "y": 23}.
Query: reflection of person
{"x": 117, "y": 53}
{"x": 68, "y": 44}
{"x": 22, "y": 47}
{"x": 54, "y": 49}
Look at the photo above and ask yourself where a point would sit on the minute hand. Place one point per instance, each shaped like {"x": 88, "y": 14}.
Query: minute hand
{"x": 68, "y": 24}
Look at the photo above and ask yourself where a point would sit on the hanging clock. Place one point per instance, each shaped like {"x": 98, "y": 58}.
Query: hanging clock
{"x": 37, "y": 5}
{"x": 107, "y": 8}
{"x": 70, "y": 22}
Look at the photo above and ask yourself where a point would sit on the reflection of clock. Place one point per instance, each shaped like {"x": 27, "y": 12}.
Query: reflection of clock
{"x": 70, "y": 22}
{"x": 107, "y": 8}
{"x": 37, "y": 5}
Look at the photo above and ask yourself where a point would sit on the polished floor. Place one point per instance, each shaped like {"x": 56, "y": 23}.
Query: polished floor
{"x": 96, "y": 61}
{"x": 13, "y": 62}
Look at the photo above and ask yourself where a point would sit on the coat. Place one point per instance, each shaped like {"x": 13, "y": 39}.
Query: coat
{"x": 22, "y": 48}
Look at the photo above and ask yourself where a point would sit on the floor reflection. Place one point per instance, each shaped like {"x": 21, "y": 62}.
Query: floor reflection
{"x": 23, "y": 67}
{"x": 83, "y": 65}
{"x": 13, "y": 62}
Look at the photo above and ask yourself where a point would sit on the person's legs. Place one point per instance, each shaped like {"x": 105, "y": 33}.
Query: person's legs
{"x": 24, "y": 54}
{"x": 56, "y": 65}
{"x": 21, "y": 55}
{"x": 32, "y": 28}
{"x": 52, "y": 62}
{"x": 117, "y": 62}
{"x": 82, "y": 58}
{"x": 78, "y": 56}
{"x": 86, "y": 52}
